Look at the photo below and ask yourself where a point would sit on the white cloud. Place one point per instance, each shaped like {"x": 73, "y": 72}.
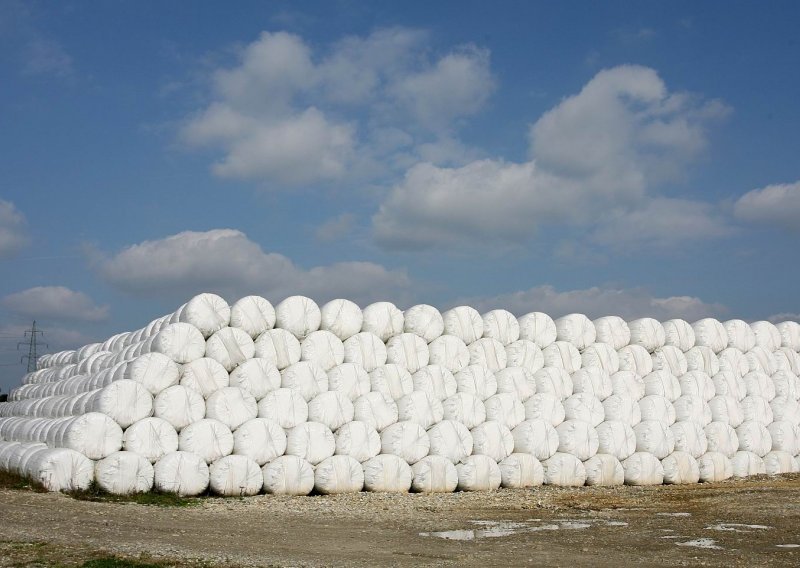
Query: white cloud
{"x": 226, "y": 261}
{"x": 56, "y": 303}
{"x": 13, "y": 229}
{"x": 777, "y": 204}
{"x": 285, "y": 115}
{"x": 603, "y": 151}
{"x": 628, "y": 303}
{"x": 784, "y": 316}
{"x": 335, "y": 228}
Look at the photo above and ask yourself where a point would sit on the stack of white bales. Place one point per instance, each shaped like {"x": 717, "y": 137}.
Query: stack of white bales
{"x": 293, "y": 399}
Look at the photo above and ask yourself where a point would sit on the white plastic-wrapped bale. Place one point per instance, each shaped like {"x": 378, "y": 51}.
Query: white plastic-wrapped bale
{"x": 602, "y": 356}
{"x": 376, "y": 410}
{"x": 207, "y": 438}
{"x": 635, "y": 358}
{"x": 436, "y": 381}
{"x": 288, "y": 475}
{"x": 505, "y": 408}
{"x": 230, "y": 346}
{"x": 524, "y": 354}
{"x": 680, "y": 468}
{"x": 702, "y": 358}
{"x": 407, "y": 440}
{"x": 756, "y": 408}
{"x": 338, "y": 474}
{"x": 554, "y": 381}
{"x": 253, "y": 314}
{"x": 577, "y": 438}
{"x": 184, "y": 473}
{"x": 785, "y": 436}
{"x": 492, "y": 439}
{"x": 671, "y": 359}
{"x": 786, "y": 384}
{"x": 306, "y": 378}
{"x": 341, "y": 317}
{"x": 465, "y": 408}
{"x": 545, "y": 406}
{"x": 61, "y": 470}
{"x": 613, "y": 331}
{"x": 93, "y": 434}
{"x": 767, "y": 335}
{"x": 690, "y": 437}
{"x": 564, "y": 470}
{"x": 778, "y": 462}
{"x": 725, "y": 408}
{"x": 584, "y": 407}
{"x": 576, "y": 329}
{"x": 478, "y": 473}
{"x": 787, "y": 360}
{"x": 235, "y": 475}
{"x": 754, "y": 437}
{"x": 421, "y": 408}
{"x": 745, "y": 464}
{"x": 383, "y": 319}
{"x": 311, "y": 441}
{"x": 517, "y": 381}
{"x": 259, "y": 439}
{"x": 124, "y": 473}
{"x": 407, "y": 350}
{"x": 728, "y": 383}
{"x": 155, "y": 372}
{"x": 447, "y": 351}
{"x": 714, "y": 466}
{"x": 654, "y": 438}
{"x": 501, "y": 325}
{"x": 592, "y": 381}
{"x": 562, "y": 355}
{"x": 785, "y": 408}
{"x": 434, "y": 474}
{"x": 535, "y": 437}
{"x": 349, "y": 379}
{"x": 604, "y": 469}
{"x": 279, "y": 347}
{"x": 628, "y": 383}
{"x": 392, "y": 381}
{"x": 298, "y": 315}
{"x": 759, "y": 359}
{"x": 722, "y": 438}
{"x": 710, "y": 333}
{"x": 358, "y": 440}
{"x": 648, "y": 333}
{"x": 488, "y": 352}
{"x": 662, "y": 383}
{"x": 539, "y": 328}
{"x": 330, "y": 408}
{"x": 697, "y": 383}
{"x": 424, "y": 321}
{"x": 450, "y": 439}
{"x": 232, "y": 406}
{"x": 757, "y": 383}
{"x": 643, "y": 468}
{"x": 323, "y": 349}
{"x": 256, "y": 376}
{"x": 387, "y": 473}
{"x": 476, "y": 380}
{"x": 731, "y": 359}
{"x": 207, "y": 312}
{"x": 125, "y": 401}
{"x": 520, "y": 471}
{"x": 692, "y": 408}
{"x": 150, "y": 438}
{"x": 463, "y": 322}
{"x": 181, "y": 342}
{"x": 180, "y": 406}
{"x": 205, "y": 376}
{"x": 790, "y": 334}
{"x": 366, "y": 350}
{"x": 615, "y": 438}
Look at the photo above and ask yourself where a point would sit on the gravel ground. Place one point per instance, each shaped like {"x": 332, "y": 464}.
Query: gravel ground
{"x": 748, "y": 523}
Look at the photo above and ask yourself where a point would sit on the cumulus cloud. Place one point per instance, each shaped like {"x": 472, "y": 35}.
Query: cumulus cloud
{"x": 55, "y": 302}
{"x": 13, "y": 229}
{"x": 777, "y": 204}
{"x": 604, "y": 150}
{"x": 784, "y": 316}
{"x": 227, "y": 262}
{"x": 629, "y": 303}
{"x": 335, "y": 228}
{"x": 288, "y": 116}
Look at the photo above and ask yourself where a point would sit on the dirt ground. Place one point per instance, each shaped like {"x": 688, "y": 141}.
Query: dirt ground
{"x": 737, "y": 523}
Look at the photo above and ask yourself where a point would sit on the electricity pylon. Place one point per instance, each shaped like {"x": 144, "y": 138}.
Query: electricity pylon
{"x": 32, "y": 344}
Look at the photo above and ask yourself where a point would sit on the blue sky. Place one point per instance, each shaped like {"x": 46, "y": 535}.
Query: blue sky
{"x": 635, "y": 158}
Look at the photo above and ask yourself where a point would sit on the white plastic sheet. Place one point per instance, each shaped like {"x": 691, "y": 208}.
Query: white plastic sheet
{"x": 451, "y": 440}
{"x": 465, "y": 408}
{"x": 563, "y": 355}
{"x": 680, "y": 468}
{"x": 341, "y": 317}
{"x": 124, "y": 473}
{"x": 671, "y": 359}
{"x": 778, "y": 462}
{"x": 184, "y": 473}
{"x": 298, "y": 315}
{"x": 230, "y": 347}
{"x": 155, "y": 372}
{"x": 235, "y": 475}
{"x": 424, "y": 321}
{"x": 767, "y": 335}
{"x": 478, "y": 473}
{"x": 662, "y": 383}
{"x": 323, "y": 349}
{"x": 517, "y": 381}
{"x": 565, "y": 470}
{"x": 785, "y": 436}
{"x": 476, "y": 380}
{"x": 207, "y": 312}
{"x": 690, "y": 437}
{"x": 702, "y": 358}
{"x": 519, "y": 471}
{"x": 339, "y": 474}
{"x": 408, "y": 351}
{"x": 745, "y": 464}
{"x": 330, "y": 408}
{"x": 679, "y": 333}
{"x": 366, "y": 350}
{"x": 616, "y": 438}
{"x": 253, "y": 314}
{"x": 93, "y": 434}
{"x": 448, "y": 351}
{"x": 376, "y": 410}
{"x": 643, "y": 468}
{"x": 725, "y": 408}
{"x": 407, "y": 440}
{"x": 492, "y": 439}
{"x": 635, "y": 358}
{"x": 392, "y": 381}
{"x": 535, "y": 437}
{"x": 790, "y": 334}
{"x": 576, "y": 329}
{"x": 434, "y": 474}
{"x": 306, "y": 378}
{"x": 613, "y": 331}
{"x": 577, "y": 438}
{"x": 554, "y": 381}
{"x": 754, "y": 437}
{"x": 654, "y": 438}
{"x": 387, "y": 474}
{"x": 628, "y": 383}
{"x": 150, "y": 438}
{"x": 349, "y": 379}
{"x": 358, "y": 440}
{"x": 539, "y": 328}
{"x": 279, "y": 347}
{"x": 488, "y": 352}
{"x": 180, "y": 406}
{"x": 584, "y": 407}
{"x": 714, "y": 466}
{"x": 383, "y": 319}
{"x": 181, "y": 342}
{"x": 593, "y": 381}
{"x": 602, "y": 356}
{"x": 259, "y": 439}
{"x": 648, "y": 333}
{"x": 604, "y": 469}
{"x": 722, "y": 438}
{"x": 205, "y": 376}
{"x": 501, "y": 325}
{"x": 311, "y": 441}
{"x": 288, "y": 475}
{"x": 207, "y": 438}
{"x": 124, "y": 401}
{"x": 546, "y": 407}
{"x": 463, "y": 322}
{"x": 421, "y": 408}
{"x": 505, "y": 408}
{"x": 256, "y": 376}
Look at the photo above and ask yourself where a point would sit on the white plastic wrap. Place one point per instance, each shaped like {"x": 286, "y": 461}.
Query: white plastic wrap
{"x": 407, "y": 440}
{"x": 778, "y": 462}
{"x": 647, "y": 332}
{"x": 232, "y": 406}
{"x": 288, "y": 475}
{"x": 576, "y": 329}
{"x": 339, "y": 474}
{"x": 376, "y": 410}
{"x": 602, "y": 356}
{"x": 535, "y": 437}
{"x": 565, "y": 470}
{"x": 760, "y": 359}
{"x": 728, "y": 383}
{"x": 125, "y": 401}
{"x": 230, "y": 346}
{"x": 671, "y": 359}
{"x": 767, "y": 335}
{"x": 279, "y": 347}
{"x": 181, "y": 342}
{"x": 519, "y": 471}
{"x": 93, "y": 434}
{"x": 311, "y": 441}
{"x": 692, "y": 408}
{"x": 180, "y": 406}
{"x": 358, "y": 440}
{"x": 451, "y": 440}
{"x": 604, "y": 469}
{"x": 545, "y": 406}
{"x": 155, "y": 372}
{"x": 124, "y": 473}
{"x": 408, "y": 351}
{"x": 539, "y": 328}
{"x": 434, "y": 474}
{"x": 463, "y": 322}
{"x": 205, "y": 376}
{"x": 790, "y": 334}
{"x": 298, "y": 315}
{"x": 150, "y": 438}
{"x": 784, "y": 408}
{"x": 702, "y": 358}
{"x": 478, "y": 473}
{"x": 615, "y": 438}
{"x": 235, "y": 475}
{"x": 554, "y": 381}
{"x": 256, "y": 376}
{"x": 563, "y": 355}
{"x": 757, "y": 383}
{"x": 505, "y": 408}
{"x": 253, "y": 314}
{"x": 656, "y": 407}
{"x": 447, "y": 351}
{"x": 516, "y": 381}
{"x": 613, "y": 331}
{"x": 184, "y": 473}
{"x": 387, "y": 474}
{"x": 341, "y": 317}
{"x": 524, "y": 354}
{"x": 306, "y": 378}
{"x": 592, "y": 381}
{"x": 330, "y": 408}
{"x": 786, "y": 384}
{"x": 635, "y": 358}
{"x": 207, "y": 312}
{"x": 731, "y": 359}
{"x": 476, "y": 380}
{"x": 754, "y": 437}
{"x": 654, "y": 438}
{"x": 745, "y": 464}
{"x": 710, "y": 332}
{"x": 628, "y": 383}
{"x": 61, "y": 470}
{"x": 465, "y": 408}
{"x": 488, "y": 352}
{"x": 424, "y": 321}
{"x": 714, "y": 466}
{"x": 492, "y": 439}
{"x": 722, "y": 438}
{"x": 690, "y": 438}
{"x": 756, "y": 408}
{"x": 643, "y": 468}
{"x": 501, "y": 325}
{"x": 662, "y": 383}
{"x": 421, "y": 408}
{"x": 259, "y": 439}
{"x": 679, "y": 333}
{"x": 577, "y": 438}
{"x": 725, "y": 408}
{"x": 584, "y": 407}
{"x": 787, "y": 360}
{"x": 785, "y": 436}
{"x": 208, "y": 438}
{"x": 366, "y": 350}
{"x": 697, "y": 383}
{"x": 680, "y": 468}
{"x": 349, "y": 379}
{"x": 323, "y": 349}
{"x": 383, "y": 319}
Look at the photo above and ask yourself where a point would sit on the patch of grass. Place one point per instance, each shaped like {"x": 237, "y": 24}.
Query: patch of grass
{"x": 115, "y": 562}
{"x": 155, "y": 498}
{"x": 9, "y": 480}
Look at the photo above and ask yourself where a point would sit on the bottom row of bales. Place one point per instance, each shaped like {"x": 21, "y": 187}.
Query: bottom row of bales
{"x": 187, "y": 474}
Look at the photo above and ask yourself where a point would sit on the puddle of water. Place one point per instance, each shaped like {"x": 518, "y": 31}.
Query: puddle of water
{"x": 575, "y": 525}
{"x": 736, "y": 527}
{"x": 543, "y": 528}
{"x": 707, "y": 543}
{"x": 788, "y": 545}
{"x": 616, "y": 523}
{"x": 674, "y": 514}
{"x": 451, "y": 535}
{"x": 496, "y": 529}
